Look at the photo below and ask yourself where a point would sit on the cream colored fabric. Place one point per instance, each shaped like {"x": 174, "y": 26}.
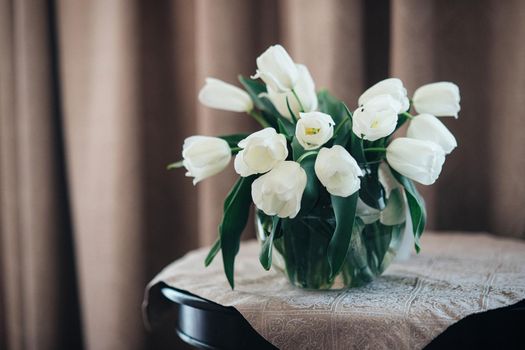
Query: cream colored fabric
{"x": 414, "y": 301}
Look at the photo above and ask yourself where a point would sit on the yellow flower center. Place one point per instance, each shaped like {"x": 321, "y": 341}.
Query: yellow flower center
{"x": 374, "y": 124}
{"x": 312, "y": 131}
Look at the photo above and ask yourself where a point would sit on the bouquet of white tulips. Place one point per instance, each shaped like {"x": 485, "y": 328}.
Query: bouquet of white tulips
{"x": 314, "y": 157}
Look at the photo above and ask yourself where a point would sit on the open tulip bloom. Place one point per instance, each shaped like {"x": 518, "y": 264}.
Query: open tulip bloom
{"x": 313, "y": 153}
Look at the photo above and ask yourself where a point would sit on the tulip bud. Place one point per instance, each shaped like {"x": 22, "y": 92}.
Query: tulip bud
{"x": 338, "y": 171}
{"x": 314, "y": 129}
{"x": 221, "y": 95}
{"x": 427, "y": 127}
{"x": 418, "y": 160}
{"x": 439, "y": 99}
{"x": 305, "y": 90}
{"x": 377, "y": 118}
{"x": 279, "y": 191}
{"x": 393, "y": 87}
{"x": 277, "y": 69}
{"x": 205, "y": 156}
{"x": 262, "y": 151}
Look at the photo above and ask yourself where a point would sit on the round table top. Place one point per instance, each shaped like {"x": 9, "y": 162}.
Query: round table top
{"x": 456, "y": 274}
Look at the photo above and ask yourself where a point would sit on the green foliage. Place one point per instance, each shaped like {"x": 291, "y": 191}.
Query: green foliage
{"x": 377, "y": 238}
{"x": 304, "y": 242}
{"x": 346, "y": 237}
{"x": 233, "y": 139}
{"x": 416, "y": 206}
{"x": 255, "y": 89}
{"x": 266, "y": 250}
{"x": 313, "y": 186}
{"x": 286, "y": 128}
{"x": 401, "y": 119}
{"x": 213, "y": 251}
{"x": 372, "y": 192}
{"x": 344, "y": 210}
{"x": 342, "y": 117}
{"x": 235, "y": 216}
{"x": 331, "y": 105}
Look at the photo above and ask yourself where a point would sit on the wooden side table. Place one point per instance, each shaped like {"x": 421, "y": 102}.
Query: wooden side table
{"x": 207, "y": 325}
{"x": 462, "y": 291}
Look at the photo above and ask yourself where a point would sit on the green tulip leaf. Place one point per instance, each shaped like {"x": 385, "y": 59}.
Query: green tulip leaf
{"x": 233, "y": 139}
{"x": 311, "y": 191}
{"x": 416, "y": 207}
{"x": 340, "y": 114}
{"x": 266, "y": 250}
{"x": 297, "y": 149}
{"x": 358, "y": 255}
{"x": 213, "y": 251}
{"x": 235, "y": 216}
{"x": 257, "y": 91}
{"x": 217, "y": 245}
{"x": 344, "y": 210}
{"x": 371, "y": 191}
{"x": 356, "y": 149}
{"x": 343, "y": 130}
{"x": 331, "y": 105}
{"x": 401, "y": 119}
{"x": 355, "y": 143}
{"x": 286, "y": 127}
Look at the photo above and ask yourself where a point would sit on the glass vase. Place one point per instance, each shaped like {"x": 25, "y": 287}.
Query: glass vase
{"x": 300, "y": 249}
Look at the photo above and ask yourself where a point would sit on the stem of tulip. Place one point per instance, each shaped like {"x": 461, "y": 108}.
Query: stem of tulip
{"x": 294, "y": 118}
{"x": 259, "y": 118}
{"x": 175, "y": 165}
{"x": 372, "y": 162}
{"x": 305, "y": 155}
{"x": 298, "y": 100}
{"x": 375, "y": 149}
{"x": 408, "y": 115}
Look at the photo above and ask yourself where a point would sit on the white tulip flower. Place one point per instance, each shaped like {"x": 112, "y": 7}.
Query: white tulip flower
{"x": 428, "y": 127}
{"x": 440, "y": 99}
{"x": 205, "y": 156}
{"x": 338, "y": 171}
{"x": 314, "y": 129}
{"x": 418, "y": 160}
{"x": 277, "y": 69}
{"x": 377, "y": 118}
{"x": 261, "y": 151}
{"x": 393, "y": 87}
{"x": 305, "y": 90}
{"x": 279, "y": 191}
{"x": 221, "y": 95}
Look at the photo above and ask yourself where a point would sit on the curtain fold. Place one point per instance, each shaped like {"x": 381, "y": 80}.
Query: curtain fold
{"x": 477, "y": 46}
{"x": 97, "y": 97}
{"x": 37, "y": 252}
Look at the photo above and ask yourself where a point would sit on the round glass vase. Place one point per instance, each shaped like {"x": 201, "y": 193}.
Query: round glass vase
{"x": 300, "y": 246}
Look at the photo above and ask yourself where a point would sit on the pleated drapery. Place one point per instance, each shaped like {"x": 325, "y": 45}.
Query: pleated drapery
{"x": 96, "y": 97}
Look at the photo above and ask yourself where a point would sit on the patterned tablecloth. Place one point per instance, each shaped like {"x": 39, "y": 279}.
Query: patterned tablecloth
{"x": 414, "y": 301}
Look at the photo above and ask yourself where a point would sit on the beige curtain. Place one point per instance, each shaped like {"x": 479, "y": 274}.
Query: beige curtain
{"x": 96, "y": 97}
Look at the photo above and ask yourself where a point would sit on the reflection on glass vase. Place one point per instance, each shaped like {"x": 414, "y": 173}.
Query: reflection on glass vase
{"x": 300, "y": 248}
